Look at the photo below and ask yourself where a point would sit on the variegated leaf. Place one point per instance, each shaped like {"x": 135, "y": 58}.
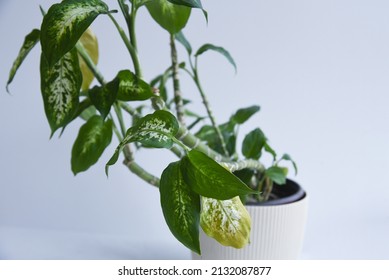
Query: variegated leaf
{"x": 29, "y": 42}
{"x": 64, "y": 24}
{"x": 155, "y": 130}
{"x": 180, "y": 207}
{"x": 208, "y": 178}
{"x": 60, "y": 87}
{"x": 89, "y": 42}
{"x": 93, "y": 137}
{"x": 227, "y": 221}
{"x": 132, "y": 88}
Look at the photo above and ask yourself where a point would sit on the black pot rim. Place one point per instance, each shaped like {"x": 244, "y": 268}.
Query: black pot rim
{"x": 288, "y": 193}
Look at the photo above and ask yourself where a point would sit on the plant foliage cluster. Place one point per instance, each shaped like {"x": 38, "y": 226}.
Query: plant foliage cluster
{"x": 208, "y": 183}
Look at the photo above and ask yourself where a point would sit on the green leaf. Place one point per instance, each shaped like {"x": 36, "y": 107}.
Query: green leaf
{"x": 169, "y": 16}
{"x": 226, "y": 221}
{"x": 85, "y": 110}
{"x": 288, "y": 158}
{"x": 93, "y": 137}
{"x": 220, "y": 50}
{"x": 181, "y": 38}
{"x": 132, "y": 88}
{"x": 191, "y": 4}
{"x": 271, "y": 151}
{"x": 253, "y": 143}
{"x": 242, "y": 115}
{"x": 277, "y": 174}
{"x": 180, "y": 207}
{"x": 29, "y": 42}
{"x": 64, "y": 24}
{"x": 155, "y": 130}
{"x": 207, "y": 178}
{"x": 208, "y": 134}
{"x": 104, "y": 97}
{"x": 60, "y": 87}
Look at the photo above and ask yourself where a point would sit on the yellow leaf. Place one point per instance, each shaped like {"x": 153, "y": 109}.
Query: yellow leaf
{"x": 227, "y": 221}
{"x": 89, "y": 41}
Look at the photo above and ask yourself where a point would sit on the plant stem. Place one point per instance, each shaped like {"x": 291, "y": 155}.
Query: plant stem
{"x": 209, "y": 111}
{"x": 132, "y": 27}
{"x": 129, "y": 159}
{"x": 138, "y": 170}
{"x": 89, "y": 62}
{"x": 130, "y": 48}
{"x": 119, "y": 114}
{"x": 243, "y": 164}
{"x": 176, "y": 82}
{"x": 195, "y": 143}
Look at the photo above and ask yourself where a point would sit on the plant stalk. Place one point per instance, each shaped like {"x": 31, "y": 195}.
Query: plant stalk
{"x": 176, "y": 82}
{"x": 137, "y": 169}
{"x": 130, "y": 48}
{"x": 89, "y": 62}
{"x": 209, "y": 112}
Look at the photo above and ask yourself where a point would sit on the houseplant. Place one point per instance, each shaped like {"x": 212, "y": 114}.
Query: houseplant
{"x": 206, "y": 159}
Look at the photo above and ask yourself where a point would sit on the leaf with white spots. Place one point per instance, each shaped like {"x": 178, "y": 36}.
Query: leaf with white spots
{"x": 64, "y": 24}
{"x": 29, "y": 42}
{"x": 94, "y": 136}
{"x": 132, "y": 88}
{"x": 227, "y": 221}
{"x": 208, "y": 178}
{"x": 60, "y": 87}
{"x": 180, "y": 207}
{"x": 155, "y": 130}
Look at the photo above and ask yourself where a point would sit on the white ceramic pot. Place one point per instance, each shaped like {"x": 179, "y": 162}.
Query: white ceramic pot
{"x": 277, "y": 233}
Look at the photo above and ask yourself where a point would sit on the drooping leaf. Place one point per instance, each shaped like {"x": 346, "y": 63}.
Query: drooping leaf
{"x": 227, "y": 221}
{"x": 64, "y": 24}
{"x": 221, "y": 50}
{"x": 180, "y": 207}
{"x": 208, "y": 178}
{"x": 191, "y": 4}
{"x": 242, "y": 115}
{"x": 29, "y": 42}
{"x": 277, "y": 174}
{"x": 89, "y": 42}
{"x": 103, "y": 97}
{"x": 155, "y": 130}
{"x": 170, "y": 17}
{"x": 132, "y": 88}
{"x": 60, "y": 87}
{"x": 93, "y": 137}
{"x": 287, "y": 157}
{"x": 180, "y": 37}
{"x": 253, "y": 143}
{"x": 271, "y": 151}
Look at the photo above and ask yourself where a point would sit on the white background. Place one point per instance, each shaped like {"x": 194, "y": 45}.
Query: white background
{"x": 318, "y": 69}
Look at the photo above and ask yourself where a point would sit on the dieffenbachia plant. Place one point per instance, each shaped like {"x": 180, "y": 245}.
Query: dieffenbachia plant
{"x": 208, "y": 183}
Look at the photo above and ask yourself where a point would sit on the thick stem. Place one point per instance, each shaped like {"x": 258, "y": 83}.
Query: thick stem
{"x": 176, "y": 82}
{"x": 195, "y": 143}
{"x": 138, "y": 170}
{"x": 243, "y": 164}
